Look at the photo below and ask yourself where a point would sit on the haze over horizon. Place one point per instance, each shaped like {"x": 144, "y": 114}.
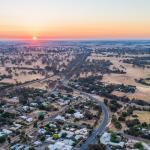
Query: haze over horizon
{"x": 75, "y": 19}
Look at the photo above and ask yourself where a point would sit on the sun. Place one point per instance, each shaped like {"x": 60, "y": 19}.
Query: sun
{"x": 34, "y": 38}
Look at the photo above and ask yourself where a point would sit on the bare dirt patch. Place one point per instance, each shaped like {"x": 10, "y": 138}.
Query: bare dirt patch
{"x": 143, "y": 116}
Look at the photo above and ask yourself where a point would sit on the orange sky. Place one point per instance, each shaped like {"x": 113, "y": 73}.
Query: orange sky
{"x": 86, "y": 19}
{"x": 99, "y": 30}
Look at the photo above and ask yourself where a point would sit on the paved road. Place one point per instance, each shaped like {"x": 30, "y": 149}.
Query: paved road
{"x": 102, "y": 125}
{"x": 105, "y": 118}
{"x": 105, "y": 112}
{"x": 103, "y": 122}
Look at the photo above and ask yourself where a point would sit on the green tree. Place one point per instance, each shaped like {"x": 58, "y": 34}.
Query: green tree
{"x": 55, "y": 136}
{"x": 41, "y": 116}
{"x": 64, "y": 135}
{"x": 97, "y": 147}
{"x": 2, "y": 139}
{"x": 139, "y": 146}
{"x": 35, "y": 125}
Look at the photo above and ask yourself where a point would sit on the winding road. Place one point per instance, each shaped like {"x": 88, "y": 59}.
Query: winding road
{"x": 105, "y": 111}
{"x": 101, "y": 127}
{"x": 102, "y": 124}
{"x": 99, "y": 131}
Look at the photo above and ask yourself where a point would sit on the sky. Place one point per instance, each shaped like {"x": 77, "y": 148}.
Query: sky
{"x": 74, "y": 19}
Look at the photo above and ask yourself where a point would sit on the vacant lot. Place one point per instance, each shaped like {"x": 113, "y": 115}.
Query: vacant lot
{"x": 132, "y": 73}
{"x": 142, "y": 92}
{"x": 143, "y": 116}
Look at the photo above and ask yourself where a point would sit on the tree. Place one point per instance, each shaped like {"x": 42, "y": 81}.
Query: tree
{"x": 124, "y": 114}
{"x": 42, "y": 138}
{"x": 35, "y": 125}
{"x": 121, "y": 118}
{"x": 48, "y": 68}
{"x": 132, "y": 123}
{"x": 70, "y": 111}
{"x": 118, "y": 125}
{"x": 97, "y": 147}
{"x": 41, "y": 116}
{"x": 114, "y": 138}
{"x": 64, "y": 135}
{"x": 139, "y": 146}
{"x": 2, "y": 139}
{"x": 31, "y": 148}
{"x": 55, "y": 136}
{"x": 129, "y": 111}
{"x": 23, "y": 136}
{"x": 88, "y": 115}
{"x": 106, "y": 101}
{"x": 9, "y": 139}
{"x": 22, "y": 99}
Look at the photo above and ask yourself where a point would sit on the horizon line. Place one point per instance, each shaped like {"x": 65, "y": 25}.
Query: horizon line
{"x": 75, "y": 39}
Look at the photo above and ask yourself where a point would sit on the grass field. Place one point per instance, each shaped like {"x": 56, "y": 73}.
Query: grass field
{"x": 143, "y": 116}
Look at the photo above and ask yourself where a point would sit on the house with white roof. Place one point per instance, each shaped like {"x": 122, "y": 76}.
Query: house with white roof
{"x": 106, "y": 140}
{"x": 29, "y": 119}
{"x": 60, "y": 118}
{"x": 2, "y": 134}
{"x": 147, "y": 147}
{"x": 7, "y": 132}
{"x": 69, "y": 133}
{"x": 34, "y": 104}
{"x": 60, "y": 146}
{"x": 131, "y": 143}
{"x": 82, "y": 131}
{"x": 68, "y": 142}
{"x": 78, "y": 115}
{"x": 42, "y": 131}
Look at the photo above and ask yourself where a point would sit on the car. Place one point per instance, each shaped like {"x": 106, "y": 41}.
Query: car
{"x": 37, "y": 143}
{"x": 20, "y": 147}
{"x": 26, "y": 148}
{"x": 14, "y": 146}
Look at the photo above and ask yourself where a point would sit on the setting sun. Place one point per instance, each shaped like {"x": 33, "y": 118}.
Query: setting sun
{"x": 73, "y": 19}
{"x": 34, "y": 38}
